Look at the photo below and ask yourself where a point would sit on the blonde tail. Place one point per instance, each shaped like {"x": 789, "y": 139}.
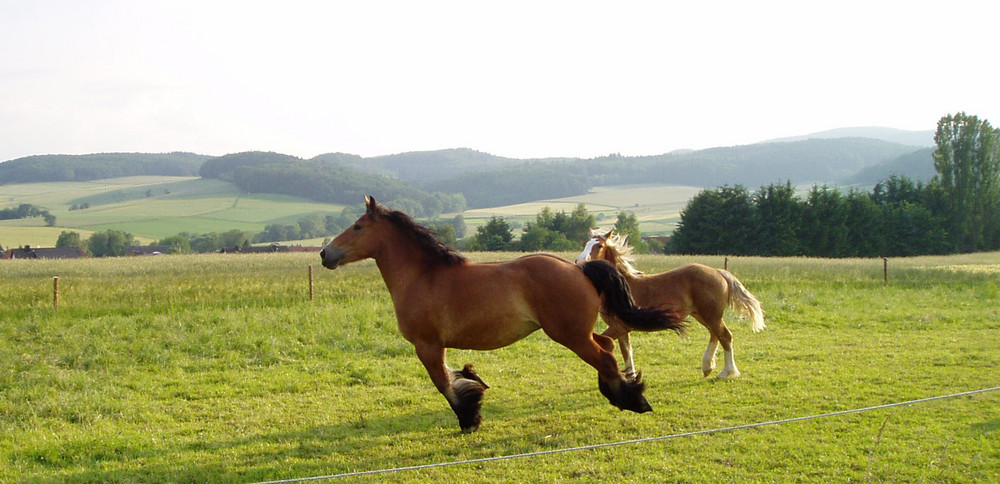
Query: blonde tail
{"x": 740, "y": 299}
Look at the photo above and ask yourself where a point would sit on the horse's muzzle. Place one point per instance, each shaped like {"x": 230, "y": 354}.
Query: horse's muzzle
{"x": 332, "y": 257}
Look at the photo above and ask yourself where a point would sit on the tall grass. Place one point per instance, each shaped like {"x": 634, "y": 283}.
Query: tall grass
{"x": 219, "y": 368}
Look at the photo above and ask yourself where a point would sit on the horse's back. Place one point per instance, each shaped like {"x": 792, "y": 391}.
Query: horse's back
{"x": 683, "y": 287}
{"x": 548, "y": 276}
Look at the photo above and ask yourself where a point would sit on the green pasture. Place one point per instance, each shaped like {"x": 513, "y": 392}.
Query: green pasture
{"x": 219, "y": 368}
{"x": 150, "y": 208}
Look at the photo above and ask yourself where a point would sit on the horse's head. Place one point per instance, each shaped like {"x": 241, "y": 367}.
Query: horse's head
{"x": 594, "y": 248}
{"x": 358, "y": 242}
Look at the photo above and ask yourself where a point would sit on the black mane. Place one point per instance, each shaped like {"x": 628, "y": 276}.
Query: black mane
{"x": 424, "y": 238}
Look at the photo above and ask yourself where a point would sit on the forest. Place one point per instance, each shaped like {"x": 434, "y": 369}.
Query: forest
{"x": 49, "y": 168}
{"x": 257, "y": 172}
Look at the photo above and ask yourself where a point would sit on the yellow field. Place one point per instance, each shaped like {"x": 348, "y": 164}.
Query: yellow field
{"x": 656, "y": 206}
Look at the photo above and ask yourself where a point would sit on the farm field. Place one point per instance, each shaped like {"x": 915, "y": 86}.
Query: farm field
{"x": 219, "y": 368}
{"x": 152, "y": 208}
{"x": 657, "y": 207}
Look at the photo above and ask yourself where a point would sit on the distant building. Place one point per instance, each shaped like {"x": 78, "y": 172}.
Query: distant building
{"x": 658, "y": 238}
{"x": 152, "y": 249}
{"x": 28, "y": 252}
{"x": 266, "y": 249}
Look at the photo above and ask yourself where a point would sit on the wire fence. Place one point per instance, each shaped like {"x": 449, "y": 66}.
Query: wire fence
{"x": 628, "y": 442}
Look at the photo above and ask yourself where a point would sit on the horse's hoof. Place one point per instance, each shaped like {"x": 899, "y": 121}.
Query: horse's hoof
{"x": 468, "y": 373}
{"x": 728, "y": 375}
{"x": 468, "y": 401}
{"x": 626, "y": 395}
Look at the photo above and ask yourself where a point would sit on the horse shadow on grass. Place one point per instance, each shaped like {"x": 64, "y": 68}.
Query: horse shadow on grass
{"x": 324, "y": 449}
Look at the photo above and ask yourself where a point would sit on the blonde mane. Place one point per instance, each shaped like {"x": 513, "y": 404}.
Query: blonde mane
{"x": 621, "y": 254}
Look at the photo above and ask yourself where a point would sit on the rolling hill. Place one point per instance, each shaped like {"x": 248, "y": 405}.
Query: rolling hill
{"x": 892, "y": 135}
{"x": 49, "y": 168}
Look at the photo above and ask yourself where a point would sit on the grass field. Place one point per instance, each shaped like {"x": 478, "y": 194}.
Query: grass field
{"x": 219, "y": 368}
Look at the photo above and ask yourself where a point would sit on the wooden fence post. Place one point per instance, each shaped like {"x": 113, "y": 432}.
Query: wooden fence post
{"x": 55, "y": 292}
{"x": 885, "y": 270}
{"x": 310, "y": 282}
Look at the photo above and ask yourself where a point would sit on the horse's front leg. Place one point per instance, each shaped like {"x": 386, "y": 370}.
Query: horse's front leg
{"x": 462, "y": 388}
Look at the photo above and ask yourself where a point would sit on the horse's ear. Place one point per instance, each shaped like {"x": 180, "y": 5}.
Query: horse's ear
{"x": 608, "y": 235}
{"x": 371, "y": 205}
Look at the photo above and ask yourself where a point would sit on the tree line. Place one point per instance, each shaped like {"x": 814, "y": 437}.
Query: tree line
{"x": 27, "y": 210}
{"x": 43, "y": 168}
{"x": 113, "y": 243}
{"x": 551, "y": 231}
{"x": 957, "y": 211}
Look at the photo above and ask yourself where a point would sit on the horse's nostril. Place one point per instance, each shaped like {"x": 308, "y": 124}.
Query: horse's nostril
{"x": 322, "y": 254}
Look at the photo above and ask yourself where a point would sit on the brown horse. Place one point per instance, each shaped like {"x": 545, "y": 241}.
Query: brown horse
{"x": 444, "y": 301}
{"x": 692, "y": 289}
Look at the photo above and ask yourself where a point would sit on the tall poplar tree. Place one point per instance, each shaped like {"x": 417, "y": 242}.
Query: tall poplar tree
{"x": 967, "y": 160}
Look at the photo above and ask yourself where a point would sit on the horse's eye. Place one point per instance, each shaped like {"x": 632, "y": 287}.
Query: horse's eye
{"x": 357, "y": 227}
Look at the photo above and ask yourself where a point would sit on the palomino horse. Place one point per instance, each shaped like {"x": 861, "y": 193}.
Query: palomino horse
{"x": 692, "y": 289}
{"x": 444, "y": 301}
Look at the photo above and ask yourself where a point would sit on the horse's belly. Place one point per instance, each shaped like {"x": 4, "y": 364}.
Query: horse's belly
{"x": 487, "y": 334}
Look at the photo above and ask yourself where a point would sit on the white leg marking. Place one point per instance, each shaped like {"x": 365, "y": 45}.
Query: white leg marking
{"x": 708, "y": 361}
{"x": 730, "y": 371}
{"x": 625, "y": 344}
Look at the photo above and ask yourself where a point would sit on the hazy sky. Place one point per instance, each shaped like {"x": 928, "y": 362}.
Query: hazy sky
{"x": 520, "y": 79}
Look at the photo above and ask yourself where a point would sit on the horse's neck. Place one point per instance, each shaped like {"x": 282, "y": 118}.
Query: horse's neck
{"x": 400, "y": 265}
{"x": 624, "y": 267}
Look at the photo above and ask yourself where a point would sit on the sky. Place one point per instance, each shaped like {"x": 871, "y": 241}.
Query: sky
{"x": 522, "y": 79}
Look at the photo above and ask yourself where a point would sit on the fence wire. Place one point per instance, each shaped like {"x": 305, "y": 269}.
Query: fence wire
{"x": 627, "y": 442}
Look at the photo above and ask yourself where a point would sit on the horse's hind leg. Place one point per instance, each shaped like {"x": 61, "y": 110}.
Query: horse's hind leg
{"x": 708, "y": 360}
{"x": 617, "y": 330}
{"x": 625, "y": 345}
{"x": 462, "y": 388}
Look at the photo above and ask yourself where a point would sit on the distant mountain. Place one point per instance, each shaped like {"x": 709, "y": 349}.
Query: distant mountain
{"x": 892, "y": 135}
{"x": 917, "y": 166}
{"x": 516, "y": 184}
{"x": 822, "y": 161}
{"x": 424, "y": 166}
{"x": 266, "y": 172}
{"x": 43, "y": 168}
{"x": 225, "y": 167}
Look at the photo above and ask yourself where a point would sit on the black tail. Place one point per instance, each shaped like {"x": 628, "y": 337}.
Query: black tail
{"x": 618, "y": 300}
